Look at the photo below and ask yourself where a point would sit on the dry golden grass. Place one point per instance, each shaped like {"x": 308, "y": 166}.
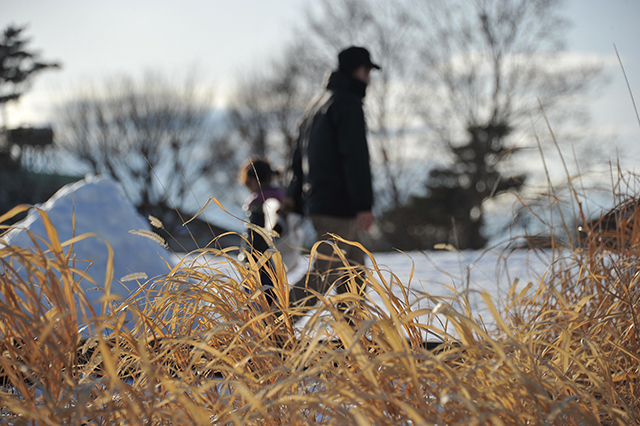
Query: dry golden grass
{"x": 204, "y": 351}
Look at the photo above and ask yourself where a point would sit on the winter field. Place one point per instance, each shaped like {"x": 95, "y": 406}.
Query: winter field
{"x": 100, "y": 324}
{"x": 100, "y": 207}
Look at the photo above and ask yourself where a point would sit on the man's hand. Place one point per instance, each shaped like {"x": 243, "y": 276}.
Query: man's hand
{"x": 364, "y": 220}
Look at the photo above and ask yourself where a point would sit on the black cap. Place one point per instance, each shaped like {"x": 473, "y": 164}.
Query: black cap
{"x": 353, "y": 57}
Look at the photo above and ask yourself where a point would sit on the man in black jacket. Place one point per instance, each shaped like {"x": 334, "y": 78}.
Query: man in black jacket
{"x": 330, "y": 172}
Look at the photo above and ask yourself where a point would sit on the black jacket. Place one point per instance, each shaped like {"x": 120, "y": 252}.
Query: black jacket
{"x": 330, "y": 172}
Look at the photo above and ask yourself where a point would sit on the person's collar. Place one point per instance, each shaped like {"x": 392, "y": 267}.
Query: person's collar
{"x": 341, "y": 80}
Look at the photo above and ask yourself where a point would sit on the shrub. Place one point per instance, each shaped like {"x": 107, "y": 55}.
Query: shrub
{"x": 203, "y": 350}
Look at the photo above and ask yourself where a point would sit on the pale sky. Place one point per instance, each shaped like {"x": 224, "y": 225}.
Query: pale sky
{"x": 96, "y": 39}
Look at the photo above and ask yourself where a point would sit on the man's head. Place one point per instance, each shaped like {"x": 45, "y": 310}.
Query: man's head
{"x": 356, "y": 62}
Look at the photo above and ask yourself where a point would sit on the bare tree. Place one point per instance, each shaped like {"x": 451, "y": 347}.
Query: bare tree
{"x": 486, "y": 69}
{"x": 250, "y": 117}
{"x": 267, "y": 105}
{"x": 494, "y": 62}
{"x": 159, "y": 139}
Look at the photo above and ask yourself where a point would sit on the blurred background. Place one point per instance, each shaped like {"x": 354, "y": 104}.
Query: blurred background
{"x": 485, "y": 118}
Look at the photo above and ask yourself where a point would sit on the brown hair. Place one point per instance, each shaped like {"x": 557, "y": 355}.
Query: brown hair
{"x": 257, "y": 169}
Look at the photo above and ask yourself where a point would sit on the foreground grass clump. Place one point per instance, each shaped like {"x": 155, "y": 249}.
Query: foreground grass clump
{"x": 202, "y": 350}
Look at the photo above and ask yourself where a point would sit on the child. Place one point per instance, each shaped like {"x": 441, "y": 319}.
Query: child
{"x": 262, "y": 205}
{"x": 261, "y": 209}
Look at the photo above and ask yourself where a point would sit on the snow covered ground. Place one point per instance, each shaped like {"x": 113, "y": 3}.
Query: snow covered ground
{"x": 440, "y": 274}
{"x": 100, "y": 207}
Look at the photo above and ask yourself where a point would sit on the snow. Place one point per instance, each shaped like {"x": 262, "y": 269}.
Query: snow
{"x": 445, "y": 274}
{"x": 100, "y": 206}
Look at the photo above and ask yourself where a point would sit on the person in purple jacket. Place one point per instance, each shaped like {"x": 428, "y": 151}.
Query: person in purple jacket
{"x": 260, "y": 208}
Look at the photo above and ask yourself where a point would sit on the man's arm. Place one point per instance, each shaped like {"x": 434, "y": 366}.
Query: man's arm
{"x": 293, "y": 198}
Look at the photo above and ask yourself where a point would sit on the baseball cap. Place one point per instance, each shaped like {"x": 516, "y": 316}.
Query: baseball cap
{"x": 353, "y": 57}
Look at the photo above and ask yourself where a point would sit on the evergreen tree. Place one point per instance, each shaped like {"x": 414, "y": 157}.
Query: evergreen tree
{"x": 17, "y": 64}
{"x": 17, "y": 68}
{"x": 451, "y": 210}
